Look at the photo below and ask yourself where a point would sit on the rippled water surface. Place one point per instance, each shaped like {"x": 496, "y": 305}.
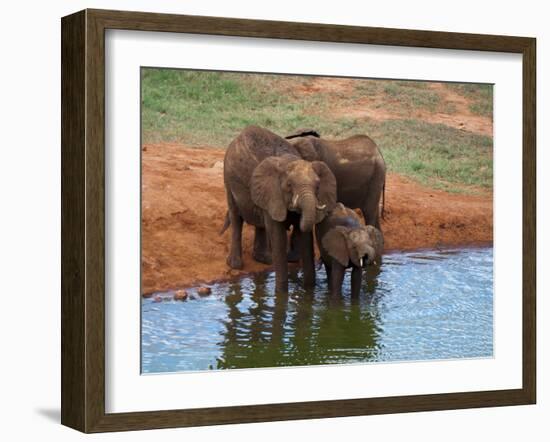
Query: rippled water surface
{"x": 416, "y": 306}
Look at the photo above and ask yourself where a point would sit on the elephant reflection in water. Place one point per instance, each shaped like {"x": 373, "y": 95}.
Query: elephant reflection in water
{"x": 254, "y": 331}
{"x": 303, "y": 328}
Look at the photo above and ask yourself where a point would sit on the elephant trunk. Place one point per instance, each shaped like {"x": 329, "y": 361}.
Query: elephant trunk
{"x": 308, "y": 204}
{"x": 370, "y": 255}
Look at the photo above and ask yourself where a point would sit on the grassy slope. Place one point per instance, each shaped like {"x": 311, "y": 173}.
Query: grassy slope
{"x": 481, "y": 96}
{"x": 209, "y": 108}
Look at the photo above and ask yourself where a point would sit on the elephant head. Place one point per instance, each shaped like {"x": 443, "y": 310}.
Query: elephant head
{"x": 360, "y": 245}
{"x": 303, "y": 140}
{"x": 284, "y": 183}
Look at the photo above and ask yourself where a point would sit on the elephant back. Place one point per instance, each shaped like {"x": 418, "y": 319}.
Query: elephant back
{"x": 354, "y": 149}
{"x": 343, "y": 216}
{"x": 250, "y": 148}
{"x": 262, "y": 143}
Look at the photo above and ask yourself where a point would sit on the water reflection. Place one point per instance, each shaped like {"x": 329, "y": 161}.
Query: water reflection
{"x": 301, "y": 328}
{"x": 415, "y": 306}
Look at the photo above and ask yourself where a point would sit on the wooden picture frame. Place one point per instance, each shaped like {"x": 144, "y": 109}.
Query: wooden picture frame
{"x": 83, "y": 220}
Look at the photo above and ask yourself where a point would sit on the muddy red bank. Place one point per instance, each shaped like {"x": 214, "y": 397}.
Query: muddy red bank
{"x": 184, "y": 204}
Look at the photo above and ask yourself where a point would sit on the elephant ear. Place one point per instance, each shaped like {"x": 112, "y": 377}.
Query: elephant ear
{"x": 335, "y": 243}
{"x": 327, "y": 186}
{"x": 265, "y": 187}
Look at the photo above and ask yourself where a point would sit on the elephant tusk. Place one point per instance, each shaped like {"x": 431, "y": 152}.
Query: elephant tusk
{"x": 321, "y": 207}
{"x": 295, "y": 201}
{"x": 360, "y": 262}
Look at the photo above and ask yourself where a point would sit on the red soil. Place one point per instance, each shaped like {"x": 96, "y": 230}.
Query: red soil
{"x": 183, "y": 209}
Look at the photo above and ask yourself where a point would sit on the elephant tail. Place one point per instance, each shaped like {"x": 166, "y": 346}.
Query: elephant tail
{"x": 383, "y": 212}
{"x": 226, "y": 223}
{"x": 384, "y": 199}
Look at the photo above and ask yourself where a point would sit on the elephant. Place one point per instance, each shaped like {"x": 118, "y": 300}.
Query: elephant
{"x": 358, "y": 166}
{"x": 268, "y": 185}
{"x": 344, "y": 241}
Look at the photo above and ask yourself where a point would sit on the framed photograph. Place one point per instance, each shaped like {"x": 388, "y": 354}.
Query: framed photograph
{"x": 269, "y": 220}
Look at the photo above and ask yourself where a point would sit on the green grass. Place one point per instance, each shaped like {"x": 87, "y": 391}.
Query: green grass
{"x": 211, "y": 108}
{"x": 412, "y": 95}
{"x": 481, "y": 96}
{"x": 402, "y": 97}
{"x": 435, "y": 154}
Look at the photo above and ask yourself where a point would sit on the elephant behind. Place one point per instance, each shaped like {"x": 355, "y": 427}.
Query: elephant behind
{"x": 344, "y": 242}
{"x": 357, "y": 164}
{"x": 269, "y": 186}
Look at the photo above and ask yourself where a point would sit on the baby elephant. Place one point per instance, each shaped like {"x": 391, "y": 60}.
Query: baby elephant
{"x": 344, "y": 241}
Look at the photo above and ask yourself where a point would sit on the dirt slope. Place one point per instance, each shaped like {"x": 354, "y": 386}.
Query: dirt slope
{"x": 183, "y": 209}
{"x": 379, "y": 106}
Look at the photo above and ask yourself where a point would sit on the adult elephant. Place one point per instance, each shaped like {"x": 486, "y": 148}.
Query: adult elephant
{"x": 357, "y": 164}
{"x": 269, "y": 186}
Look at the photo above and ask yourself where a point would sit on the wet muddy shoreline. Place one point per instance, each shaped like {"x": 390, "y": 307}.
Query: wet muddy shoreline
{"x": 295, "y": 267}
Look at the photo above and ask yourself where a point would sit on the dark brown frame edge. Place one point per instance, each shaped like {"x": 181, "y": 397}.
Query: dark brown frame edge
{"x": 83, "y": 216}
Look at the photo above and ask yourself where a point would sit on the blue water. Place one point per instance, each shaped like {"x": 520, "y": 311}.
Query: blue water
{"x": 416, "y": 306}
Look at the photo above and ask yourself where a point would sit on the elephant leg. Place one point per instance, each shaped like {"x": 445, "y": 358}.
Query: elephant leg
{"x": 356, "y": 274}
{"x": 336, "y": 278}
{"x": 371, "y": 213}
{"x": 235, "y": 259}
{"x": 294, "y": 250}
{"x": 327, "y": 271}
{"x": 277, "y": 236}
{"x": 308, "y": 264}
{"x": 262, "y": 252}
{"x": 371, "y": 206}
